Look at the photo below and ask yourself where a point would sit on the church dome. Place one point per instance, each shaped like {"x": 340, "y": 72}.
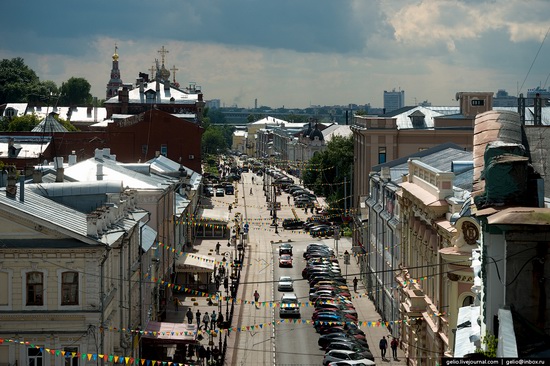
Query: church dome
{"x": 316, "y": 133}
{"x": 307, "y": 131}
{"x": 164, "y": 74}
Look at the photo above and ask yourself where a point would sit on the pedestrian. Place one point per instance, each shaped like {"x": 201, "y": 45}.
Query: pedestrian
{"x": 202, "y": 354}
{"x": 220, "y": 321}
{"x": 217, "y": 282}
{"x": 198, "y": 316}
{"x": 208, "y": 355}
{"x": 218, "y": 246}
{"x": 176, "y": 303}
{"x": 190, "y": 351}
{"x": 206, "y": 320}
{"x": 355, "y": 282}
{"x": 213, "y": 319}
{"x": 288, "y": 200}
{"x": 230, "y": 208}
{"x": 394, "y": 344}
{"x": 256, "y": 296}
{"x": 251, "y": 192}
{"x": 383, "y": 347}
{"x": 216, "y": 354}
{"x": 189, "y": 315}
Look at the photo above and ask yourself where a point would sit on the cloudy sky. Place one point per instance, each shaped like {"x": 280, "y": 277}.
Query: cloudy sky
{"x": 292, "y": 53}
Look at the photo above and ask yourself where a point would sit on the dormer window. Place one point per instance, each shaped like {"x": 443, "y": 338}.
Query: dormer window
{"x": 150, "y": 95}
{"x": 418, "y": 119}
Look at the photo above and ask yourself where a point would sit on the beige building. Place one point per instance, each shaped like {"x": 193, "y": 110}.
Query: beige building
{"x": 68, "y": 279}
{"x": 378, "y": 139}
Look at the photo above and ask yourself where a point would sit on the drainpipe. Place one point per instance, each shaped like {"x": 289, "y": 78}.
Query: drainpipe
{"x": 123, "y": 343}
{"x": 102, "y": 292}
{"x": 141, "y": 316}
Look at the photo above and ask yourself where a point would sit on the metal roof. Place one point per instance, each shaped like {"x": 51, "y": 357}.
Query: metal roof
{"x": 161, "y": 97}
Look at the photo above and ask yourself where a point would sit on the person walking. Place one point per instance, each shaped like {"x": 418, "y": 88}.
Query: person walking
{"x": 202, "y": 354}
{"x": 206, "y": 320}
{"x": 394, "y": 344}
{"x": 189, "y": 315}
{"x": 213, "y": 319}
{"x": 383, "y": 347}
{"x": 355, "y": 282}
{"x": 220, "y": 321}
{"x": 176, "y": 303}
{"x": 256, "y": 296}
{"x": 208, "y": 354}
{"x": 198, "y": 316}
{"x": 218, "y": 246}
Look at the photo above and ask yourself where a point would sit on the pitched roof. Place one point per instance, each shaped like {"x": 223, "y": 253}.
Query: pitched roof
{"x": 49, "y": 125}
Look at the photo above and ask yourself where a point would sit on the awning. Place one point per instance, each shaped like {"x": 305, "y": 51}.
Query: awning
{"x": 195, "y": 263}
{"x": 170, "y": 333}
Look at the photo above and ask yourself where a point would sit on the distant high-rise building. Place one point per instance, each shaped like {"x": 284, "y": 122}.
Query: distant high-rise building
{"x": 213, "y": 103}
{"x": 502, "y": 99}
{"x": 393, "y": 100}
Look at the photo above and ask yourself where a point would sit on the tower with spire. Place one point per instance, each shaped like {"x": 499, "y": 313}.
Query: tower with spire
{"x": 115, "y": 82}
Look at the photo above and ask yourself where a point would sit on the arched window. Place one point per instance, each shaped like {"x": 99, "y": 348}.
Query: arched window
{"x": 468, "y": 300}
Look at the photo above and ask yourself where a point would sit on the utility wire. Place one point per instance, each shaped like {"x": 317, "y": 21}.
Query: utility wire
{"x": 533, "y": 63}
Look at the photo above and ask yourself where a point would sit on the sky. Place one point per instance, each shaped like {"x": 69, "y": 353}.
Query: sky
{"x": 290, "y": 53}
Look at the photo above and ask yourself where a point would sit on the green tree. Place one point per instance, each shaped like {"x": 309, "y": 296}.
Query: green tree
{"x": 23, "y": 123}
{"x": 327, "y": 171}
{"x": 16, "y": 80}
{"x": 76, "y": 91}
{"x": 67, "y": 124}
{"x": 213, "y": 141}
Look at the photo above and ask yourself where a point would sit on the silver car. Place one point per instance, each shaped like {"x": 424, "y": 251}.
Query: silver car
{"x": 285, "y": 283}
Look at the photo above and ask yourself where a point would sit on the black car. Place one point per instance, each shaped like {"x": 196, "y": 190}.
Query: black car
{"x": 292, "y": 224}
{"x": 321, "y": 230}
{"x": 327, "y": 339}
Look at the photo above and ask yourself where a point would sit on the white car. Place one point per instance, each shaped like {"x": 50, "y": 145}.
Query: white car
{"x": 337, "y": 355}
{"x": 285, "y": 283}
{"x": 352, "y": 363}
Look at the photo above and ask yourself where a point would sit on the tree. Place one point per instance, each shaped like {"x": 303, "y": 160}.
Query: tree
{"x": 23, "y": 123}
{"x": 213, "y": 141}
{"x": 326, "y": 172}
{"x": 76, "y": 91}
{"x": 16, "y": 81}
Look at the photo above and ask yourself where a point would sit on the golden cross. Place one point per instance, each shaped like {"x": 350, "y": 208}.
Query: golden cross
{"x": 173, "y": 69}
{"x": 163, "y": 53}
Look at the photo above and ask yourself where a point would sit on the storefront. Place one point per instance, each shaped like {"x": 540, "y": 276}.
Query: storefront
{"x": 195, "y": 272}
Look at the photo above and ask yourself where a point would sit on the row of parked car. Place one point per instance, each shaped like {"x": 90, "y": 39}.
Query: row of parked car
{"x": 335, "y": 317}
{"x": 317, "y": 226}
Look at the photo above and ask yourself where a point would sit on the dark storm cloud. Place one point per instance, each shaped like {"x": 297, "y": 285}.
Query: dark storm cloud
{"x": 320, "y": 26}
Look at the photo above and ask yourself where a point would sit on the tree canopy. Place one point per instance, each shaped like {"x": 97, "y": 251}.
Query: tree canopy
{"x": 19, "y": 83}
{"x": 327, "y": 171}
{"x": 76, "y": 91}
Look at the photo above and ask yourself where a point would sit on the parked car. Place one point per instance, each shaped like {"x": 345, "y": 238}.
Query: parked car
{"x": 342, "y": 355}
{"x": 285, "y": 283}
{"x": 351, "y": 346}
{"x": 220, "y": 192}
{"x": 285, "y": 260}
{"x": 285, "y": 248}
{"x": 229, "y": 189}
{"x": 292, "y": 224}
{"x": 352, "y": 363}
{"x": 326, "y": 339}
{"x": 321, "y": 230}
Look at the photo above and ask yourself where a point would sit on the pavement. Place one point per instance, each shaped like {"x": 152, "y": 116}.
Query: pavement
{"x": 250, "y": 340}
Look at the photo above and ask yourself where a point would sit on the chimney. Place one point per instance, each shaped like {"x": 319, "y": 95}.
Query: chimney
{"x": 60, "y": 171}
{"x": 99, "y": 174}
{"x": 91, "y": 224}
{"x": 158, "y": 85}
{"x": 72, "y": 158}
{"x": 167, "y": 85}
{"x": 11, "y": 188}
{"x": 22, "y": 189}
{"x": 141, "y": 85}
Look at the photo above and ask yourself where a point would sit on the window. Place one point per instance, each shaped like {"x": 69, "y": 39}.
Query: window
{"x": 71, "y": 358}
{"x": 381, "y": 155}
{"x": 468, "y": 300}
{"x": 163, "y": 150}
{"x": 69, "y": 288}
{"x": 35, "y": 287}
{"x": 35, "y": 357}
